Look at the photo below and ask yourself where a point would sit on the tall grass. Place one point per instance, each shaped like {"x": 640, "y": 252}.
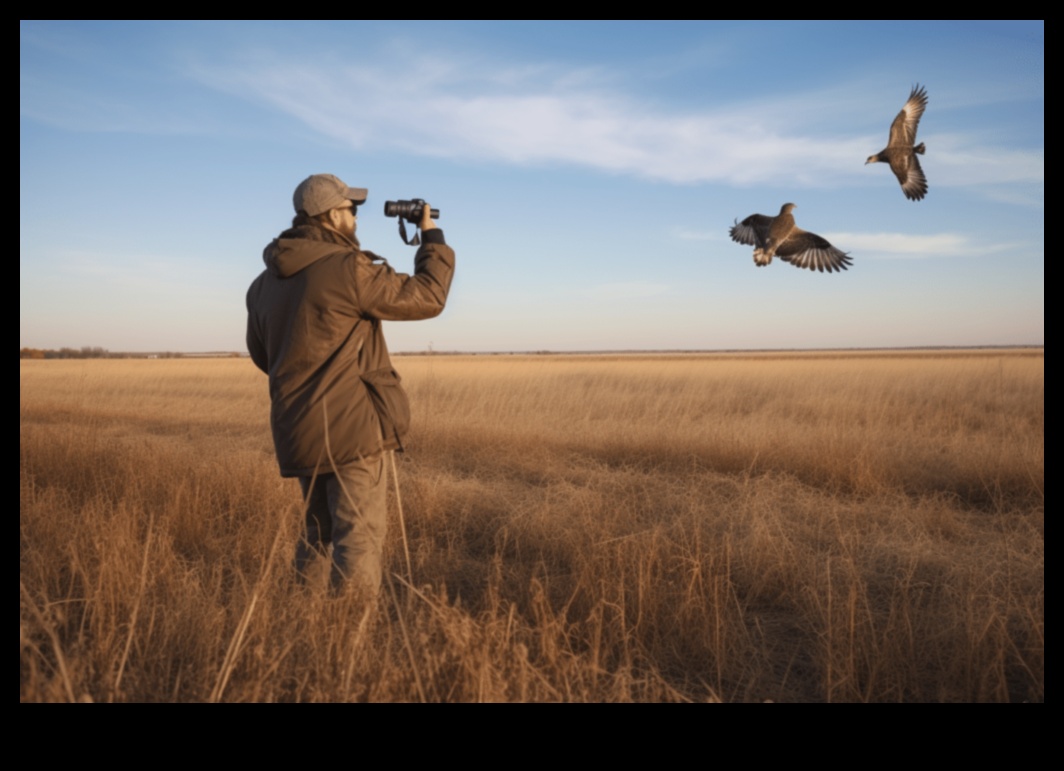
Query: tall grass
{"x": 678, "y": 528}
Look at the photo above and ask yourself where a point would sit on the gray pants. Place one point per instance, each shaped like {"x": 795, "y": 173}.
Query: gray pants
{"x": 347, "y": 510}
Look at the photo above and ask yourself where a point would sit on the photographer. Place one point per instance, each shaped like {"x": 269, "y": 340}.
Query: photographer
{"x": 314, "y": 326}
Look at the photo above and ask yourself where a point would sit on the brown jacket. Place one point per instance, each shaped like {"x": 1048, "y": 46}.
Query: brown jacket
{"x": 314, "y": 326}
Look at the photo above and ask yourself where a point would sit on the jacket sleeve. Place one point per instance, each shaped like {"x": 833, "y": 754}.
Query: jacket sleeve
{"x": 390, "y": 296}
{"x": 256, "y": 346}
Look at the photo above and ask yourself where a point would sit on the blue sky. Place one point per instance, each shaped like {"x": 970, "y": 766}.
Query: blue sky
{"x": 587, "y": 175}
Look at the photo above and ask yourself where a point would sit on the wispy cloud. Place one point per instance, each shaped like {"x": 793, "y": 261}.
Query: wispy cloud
{"x": 889, "y": 245}
{"x": 527, "y": 117}
{"x": 458, "y": 105}
{"x": 449, "y": 107}
{"x": 906, "y": 246}
{"x": 962, "y": 161}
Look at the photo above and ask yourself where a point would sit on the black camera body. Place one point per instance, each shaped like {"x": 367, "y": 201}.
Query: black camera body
{"x": 408, "y": 210}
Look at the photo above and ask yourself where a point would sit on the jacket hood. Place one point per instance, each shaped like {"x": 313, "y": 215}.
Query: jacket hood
{"x": 298, "y": 247}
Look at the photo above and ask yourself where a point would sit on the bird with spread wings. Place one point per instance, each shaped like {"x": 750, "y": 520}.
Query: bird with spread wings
{"x": 780, "y": 237}
{"x": 900, "y": 152}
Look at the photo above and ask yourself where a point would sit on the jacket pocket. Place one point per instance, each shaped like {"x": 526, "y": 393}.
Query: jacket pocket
{"x": 392, "y": 406}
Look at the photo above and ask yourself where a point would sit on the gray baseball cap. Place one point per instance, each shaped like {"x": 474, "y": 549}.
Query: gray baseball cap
{"x": 320, "y": 192}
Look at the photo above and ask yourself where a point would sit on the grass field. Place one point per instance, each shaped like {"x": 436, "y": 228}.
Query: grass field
{"x": 804, "y": 527}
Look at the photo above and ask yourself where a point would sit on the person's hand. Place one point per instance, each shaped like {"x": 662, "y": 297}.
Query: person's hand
{"x": 426, "y": 217}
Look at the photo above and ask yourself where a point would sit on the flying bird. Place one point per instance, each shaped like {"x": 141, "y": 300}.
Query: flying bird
{"x": 780, "y": 237}
{"x": 900, "y": 153}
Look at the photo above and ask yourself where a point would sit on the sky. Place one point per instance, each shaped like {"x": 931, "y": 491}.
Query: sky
{"x": 587, "y": 174}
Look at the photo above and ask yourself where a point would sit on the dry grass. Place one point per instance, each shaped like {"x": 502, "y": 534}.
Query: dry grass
{"x": 651, "y": 528}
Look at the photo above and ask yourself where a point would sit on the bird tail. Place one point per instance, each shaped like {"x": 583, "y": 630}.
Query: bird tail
{"x": 919, "y": 149}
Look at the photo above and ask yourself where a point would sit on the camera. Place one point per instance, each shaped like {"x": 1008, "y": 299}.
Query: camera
{"x": 408, "y": 210}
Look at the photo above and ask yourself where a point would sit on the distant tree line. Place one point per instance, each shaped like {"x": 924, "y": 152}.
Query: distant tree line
{"x": 85, "y": 352}
{"x": 90, "y": 352}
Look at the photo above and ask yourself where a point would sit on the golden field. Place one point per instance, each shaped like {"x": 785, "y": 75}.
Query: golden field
{"x": 747, "y": 527}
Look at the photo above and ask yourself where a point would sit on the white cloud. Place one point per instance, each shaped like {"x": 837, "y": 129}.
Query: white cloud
{"x": 959, "y": 161}
{"x": 461, "y": 106}
{"x": 906, "y": 246}
{"x": 486, "y": 111}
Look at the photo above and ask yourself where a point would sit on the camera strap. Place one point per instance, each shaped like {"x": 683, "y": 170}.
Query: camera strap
{"x": 402, "y": 234}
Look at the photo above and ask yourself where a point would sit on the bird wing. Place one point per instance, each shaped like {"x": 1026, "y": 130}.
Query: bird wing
{"x": 907, "y": 169}
{"x": 753, "y": 230}
{"x": 808, "y": 250}
{"x": 903, "y": 129}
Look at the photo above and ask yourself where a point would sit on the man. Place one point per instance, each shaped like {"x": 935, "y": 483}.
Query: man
{"x": 314, "y": 326}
